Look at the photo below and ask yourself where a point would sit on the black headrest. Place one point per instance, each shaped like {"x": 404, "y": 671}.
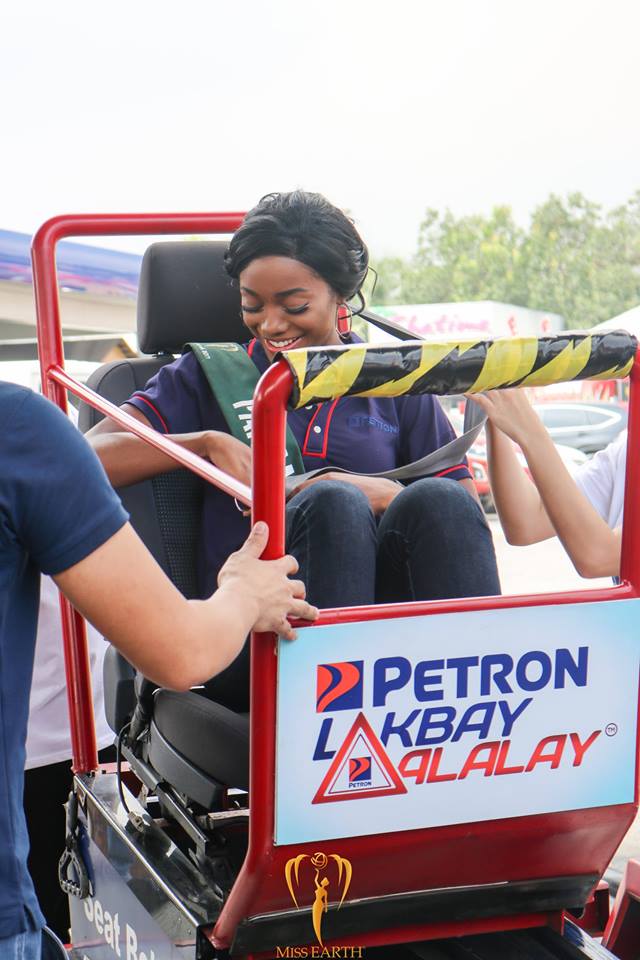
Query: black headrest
{"x": 185, "y": 295}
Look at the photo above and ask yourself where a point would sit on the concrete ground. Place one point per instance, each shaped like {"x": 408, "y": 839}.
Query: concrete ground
{"x": 540, "y": 568}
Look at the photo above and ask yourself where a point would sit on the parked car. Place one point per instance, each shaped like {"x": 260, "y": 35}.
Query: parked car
{"x": 585, "y": 426}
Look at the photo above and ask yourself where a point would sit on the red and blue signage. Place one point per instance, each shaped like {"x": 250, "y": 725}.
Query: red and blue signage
{"x": 418, "y": 722}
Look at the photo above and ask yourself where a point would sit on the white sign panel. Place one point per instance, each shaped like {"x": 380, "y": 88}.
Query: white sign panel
{"x": 400, "y": 724}
{"x": 480, "y": 318}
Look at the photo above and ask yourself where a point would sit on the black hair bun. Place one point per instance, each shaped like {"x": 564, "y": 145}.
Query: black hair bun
{"x": 305, "y": 227}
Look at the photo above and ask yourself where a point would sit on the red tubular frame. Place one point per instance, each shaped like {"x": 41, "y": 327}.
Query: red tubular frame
{"x": 188, "y": 459}
{"x": 264, "y": 861}
{"x": 55, "y": 383}
{"x": 269, "y": 433}
{"x": 630, "y": 560}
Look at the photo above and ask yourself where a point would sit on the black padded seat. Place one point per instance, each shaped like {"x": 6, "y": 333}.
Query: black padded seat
{"x": 155, "y": 505}
{"x": 208, "y": 735}
{"x": 196, "y": 745}
{"x": 185, "y": 295}
{"x": 116, "y": 381}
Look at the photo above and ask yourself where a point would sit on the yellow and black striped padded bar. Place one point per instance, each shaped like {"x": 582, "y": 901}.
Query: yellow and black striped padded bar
{"x": 465, "y": 366}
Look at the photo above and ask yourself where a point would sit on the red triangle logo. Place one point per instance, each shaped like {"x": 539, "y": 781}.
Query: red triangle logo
{"x": 361, "y": 768}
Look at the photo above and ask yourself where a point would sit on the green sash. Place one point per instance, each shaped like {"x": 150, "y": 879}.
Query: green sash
{"x": 232, "y": 376}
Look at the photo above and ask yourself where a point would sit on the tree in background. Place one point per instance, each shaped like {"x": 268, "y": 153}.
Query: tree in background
{"x": 572, "y": 260}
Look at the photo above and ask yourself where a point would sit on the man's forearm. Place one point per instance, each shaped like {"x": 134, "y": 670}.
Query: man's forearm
{"x": 174, "y": 641}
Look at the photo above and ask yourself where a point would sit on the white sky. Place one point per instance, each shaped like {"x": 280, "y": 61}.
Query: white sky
{"x": 386, "y": 106}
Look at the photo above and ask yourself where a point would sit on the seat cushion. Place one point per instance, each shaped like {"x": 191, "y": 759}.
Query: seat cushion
{"x": 208, "y": 735}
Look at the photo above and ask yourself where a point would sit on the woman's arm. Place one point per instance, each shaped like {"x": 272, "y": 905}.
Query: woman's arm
{"x": 518, "y": 502}
{"x": 551, "y": 504}
{"x": 128, "y": 459}
{"x": 173, "y": 641}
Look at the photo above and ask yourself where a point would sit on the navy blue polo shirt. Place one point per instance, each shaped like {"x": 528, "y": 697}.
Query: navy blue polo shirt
{"x": 367, "y": 435}
{"x": 56, "y": 507}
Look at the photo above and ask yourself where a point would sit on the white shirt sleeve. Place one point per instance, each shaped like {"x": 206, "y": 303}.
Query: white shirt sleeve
{"x": 48, "y": 733}
{"x": 601, "y": 479}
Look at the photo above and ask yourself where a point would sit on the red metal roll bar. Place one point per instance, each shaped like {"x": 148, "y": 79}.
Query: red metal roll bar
{"x": 55, "y": 383}
{"x": 269, "y": 417}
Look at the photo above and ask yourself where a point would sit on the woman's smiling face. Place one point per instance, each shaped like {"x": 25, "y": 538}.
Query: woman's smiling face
{"x": 286, "y": 305}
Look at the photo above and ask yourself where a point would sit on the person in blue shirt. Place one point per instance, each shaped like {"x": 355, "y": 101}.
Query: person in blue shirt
{"x": 358, "y": 540}
{"x": 60, "y": 516}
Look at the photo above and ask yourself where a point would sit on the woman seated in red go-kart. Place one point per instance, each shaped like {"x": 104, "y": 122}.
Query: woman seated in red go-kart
{"x": 357, "y": 539}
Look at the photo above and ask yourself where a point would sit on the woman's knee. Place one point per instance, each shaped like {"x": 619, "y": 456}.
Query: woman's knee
{"x": 331, "y": 530}
{"x": 333, "y": 516}
{"x": 437, "y": 534}
{"x": 440, "y": 500}
{"x": 335, "y": 498}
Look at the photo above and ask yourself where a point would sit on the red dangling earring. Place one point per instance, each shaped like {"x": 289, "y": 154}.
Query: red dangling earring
{"x": 344, "y": 318}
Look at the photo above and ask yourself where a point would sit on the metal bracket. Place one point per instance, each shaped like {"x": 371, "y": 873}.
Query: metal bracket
{"x": 73, "y": 875}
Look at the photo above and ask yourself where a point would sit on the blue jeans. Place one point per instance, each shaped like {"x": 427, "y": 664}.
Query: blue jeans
{"x": 432, "y": 543}
{"x": 23, "y": 946}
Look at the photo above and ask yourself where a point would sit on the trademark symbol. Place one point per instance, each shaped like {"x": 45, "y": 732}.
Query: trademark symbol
{"x": 611, "y": 729}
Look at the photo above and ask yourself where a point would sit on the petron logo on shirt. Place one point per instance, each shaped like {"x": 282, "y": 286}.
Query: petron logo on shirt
{"x": 364, "y": 420}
